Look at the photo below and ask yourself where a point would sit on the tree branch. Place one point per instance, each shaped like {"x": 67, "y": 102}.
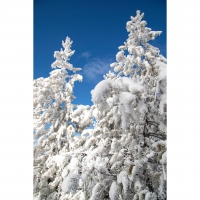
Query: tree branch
{"x": 162, "y": 137}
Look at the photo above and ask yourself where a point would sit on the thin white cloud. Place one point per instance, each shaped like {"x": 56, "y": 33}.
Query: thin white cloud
{"x": 96, "y": 68}
{"x": 86, "y": 54}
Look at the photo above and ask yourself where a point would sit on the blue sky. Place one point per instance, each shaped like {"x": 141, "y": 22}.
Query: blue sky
{"x": 97, "y": 28}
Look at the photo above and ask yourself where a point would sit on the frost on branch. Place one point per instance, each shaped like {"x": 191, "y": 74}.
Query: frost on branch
{"x": 124, "y": 154}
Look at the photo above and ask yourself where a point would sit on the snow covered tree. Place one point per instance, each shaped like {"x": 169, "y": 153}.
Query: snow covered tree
{"x": 124, "y": 156}
{"x": 55, "y": 122}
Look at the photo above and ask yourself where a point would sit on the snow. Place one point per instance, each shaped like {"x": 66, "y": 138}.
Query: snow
{"x": 148, "y": 196}
{"x": 125, "y": 98}
{"x": 99, "y": 91}
{"x": 150, "y": 155}
{"x": 164, "y": 158}
{"x": 141, "y": 107}
{"x": 162, "y": 70}
{"x": 120, "y": 56}
{"x": 58, "y": 159}
{"x": 123, "y": 178}
{"x": 79, "y": 110}
{"x": 162, "y": 127}
{"x": 70, "y": 183}
{"x": 163, "y": 101}
{"x": 113, "y": 192}
{"x": 96, "y": 191}
{"x": 124, "y": 116}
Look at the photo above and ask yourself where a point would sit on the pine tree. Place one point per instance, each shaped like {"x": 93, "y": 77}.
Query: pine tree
{"x": 55, "y": 123}
{"x": 130, "y": 133}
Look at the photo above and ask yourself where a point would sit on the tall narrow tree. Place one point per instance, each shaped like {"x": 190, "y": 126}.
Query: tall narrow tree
{"x": 54, "y": 124}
